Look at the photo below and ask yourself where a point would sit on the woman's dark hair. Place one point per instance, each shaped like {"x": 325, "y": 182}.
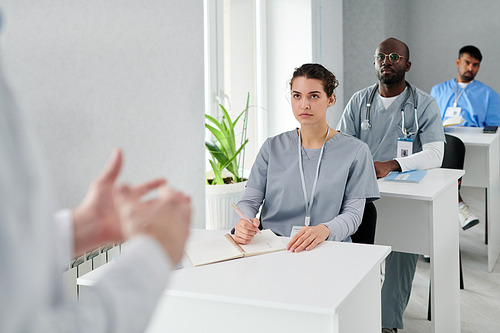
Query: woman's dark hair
{"x": 318, "y": 72}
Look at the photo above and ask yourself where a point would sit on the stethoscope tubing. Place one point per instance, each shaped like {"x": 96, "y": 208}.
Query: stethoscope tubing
{"x": 365, "y": 125}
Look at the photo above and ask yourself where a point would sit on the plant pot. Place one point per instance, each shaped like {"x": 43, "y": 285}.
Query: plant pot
{"x": 219, "y": 214}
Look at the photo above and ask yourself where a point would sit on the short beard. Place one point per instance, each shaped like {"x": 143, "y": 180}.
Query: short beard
{"x": 467, "y": 79}
{"x": 397, "y": 78}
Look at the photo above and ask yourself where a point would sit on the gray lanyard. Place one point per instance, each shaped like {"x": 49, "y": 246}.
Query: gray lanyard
{"x": 301, "y": 168}
{"x": 457, "y": 98}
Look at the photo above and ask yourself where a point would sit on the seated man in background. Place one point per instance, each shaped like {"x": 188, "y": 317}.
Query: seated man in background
{"x": 475, "y": 102}
{"x": 375, "y": 116}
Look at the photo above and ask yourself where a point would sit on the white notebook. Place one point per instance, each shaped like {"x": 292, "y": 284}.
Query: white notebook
{"x": 453, "y": 121}
{"x": 223, "y": 248}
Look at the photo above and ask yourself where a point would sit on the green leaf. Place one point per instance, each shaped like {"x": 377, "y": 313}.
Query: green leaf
{"x": 217, "y": 173}
{"x": 216, "y": 153}
{"x": 242, "y": 112}
{"x": 224, "y": 152}
{"x": 230, "y": 167}
{"x": 229, "y": 128}
{"x": 220, "y": 136}
{"x": 213, "y": 120}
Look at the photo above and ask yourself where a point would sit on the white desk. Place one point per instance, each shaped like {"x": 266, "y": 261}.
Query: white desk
{"x": 333, "y": 288}
{"x": 421, "y": 218}
{"x": 482, "y": 169}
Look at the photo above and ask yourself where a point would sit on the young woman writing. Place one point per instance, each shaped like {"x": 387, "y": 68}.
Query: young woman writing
{"x": 312, "y": 182}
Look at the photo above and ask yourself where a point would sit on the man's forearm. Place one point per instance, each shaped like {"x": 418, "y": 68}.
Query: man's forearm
{"x": 382, "y": 169}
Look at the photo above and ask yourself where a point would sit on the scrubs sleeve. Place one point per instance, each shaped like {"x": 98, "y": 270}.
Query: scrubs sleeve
{"x": 347, "y": 122}
{"x": 430, "y": 157}
{"x": 434, "y": 92}
{"x": 347, "y": 222}
{"x": 258, "y": 174}
{"x": 249, "y": 204}
{"x": 493, "y": 113}
{"x": 362, "y": 180}
{"x": 430, "y": 123}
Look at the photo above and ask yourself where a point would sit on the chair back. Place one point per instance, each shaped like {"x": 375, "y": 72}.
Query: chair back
{"x": 366, "y": 231}
{"x": 454, "y": 153}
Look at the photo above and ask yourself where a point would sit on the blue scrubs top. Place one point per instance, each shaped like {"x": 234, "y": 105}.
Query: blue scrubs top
{"x": 480, "y": 104}
{"x": 346, "y": 172}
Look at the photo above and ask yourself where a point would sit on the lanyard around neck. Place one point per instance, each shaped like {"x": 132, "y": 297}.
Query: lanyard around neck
{"x": 457, "y": 98}
{"x": 301, "y": 168}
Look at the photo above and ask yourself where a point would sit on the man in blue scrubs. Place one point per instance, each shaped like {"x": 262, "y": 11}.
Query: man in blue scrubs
{"x": 398, "y": 142}
{"x": 475, "y": 102}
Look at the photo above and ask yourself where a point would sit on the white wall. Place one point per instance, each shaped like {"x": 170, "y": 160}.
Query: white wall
{"x": 94, "y": 75}
{"x": 239, "y": 76}
{"x": 289, "y": 45}
{"x": 328, "y": 50}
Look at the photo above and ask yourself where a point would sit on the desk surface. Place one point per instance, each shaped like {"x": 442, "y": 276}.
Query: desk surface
{"x": 472, "y": 136}
{"x": 432, "y": 185}
{"x": 311, "y": 281}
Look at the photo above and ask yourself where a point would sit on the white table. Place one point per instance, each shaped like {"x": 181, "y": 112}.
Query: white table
{"x": 482, "y": 169}
{"x": 333, "y": 288}
{"x": 421, "y": 218}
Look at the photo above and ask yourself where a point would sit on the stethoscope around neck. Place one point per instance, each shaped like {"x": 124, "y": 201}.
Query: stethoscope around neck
{"x": 365, "y": 125}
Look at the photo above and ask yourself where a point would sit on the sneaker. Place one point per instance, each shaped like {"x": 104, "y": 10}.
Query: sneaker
{"x": 466, "y": 219}
{"x": 389, "y": 330}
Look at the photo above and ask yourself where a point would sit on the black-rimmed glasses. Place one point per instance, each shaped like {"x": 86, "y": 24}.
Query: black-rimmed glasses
{"x": 393, "y": 57}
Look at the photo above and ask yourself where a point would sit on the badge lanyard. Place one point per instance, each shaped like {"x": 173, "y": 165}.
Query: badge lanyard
{"x": 301, "y": 168}
{"x": 405, "y": 144}
{"x": 457, "y": 98}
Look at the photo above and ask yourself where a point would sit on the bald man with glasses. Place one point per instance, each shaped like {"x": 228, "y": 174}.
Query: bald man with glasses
{"x": 398, "y": 141}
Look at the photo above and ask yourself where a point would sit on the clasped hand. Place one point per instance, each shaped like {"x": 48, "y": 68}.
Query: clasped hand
{"x": 306, "y": 239}
{"x": 111, "y": 214}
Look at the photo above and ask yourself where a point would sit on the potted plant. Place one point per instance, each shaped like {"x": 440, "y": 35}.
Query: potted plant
{"x": 225, "y": 183}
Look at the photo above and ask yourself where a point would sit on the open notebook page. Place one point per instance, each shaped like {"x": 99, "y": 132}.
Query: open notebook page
{"x": 265, "y": 242}
{"x": 212, "y": 250}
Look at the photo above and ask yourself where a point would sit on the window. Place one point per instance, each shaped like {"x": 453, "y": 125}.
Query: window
{"x": 252, "y": 46}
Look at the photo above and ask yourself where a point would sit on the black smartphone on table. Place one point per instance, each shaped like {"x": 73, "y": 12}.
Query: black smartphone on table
{"x": 490, "y": 129}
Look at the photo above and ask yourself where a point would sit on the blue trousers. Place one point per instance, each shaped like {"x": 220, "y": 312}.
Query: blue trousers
{"x": 399, "y": 273}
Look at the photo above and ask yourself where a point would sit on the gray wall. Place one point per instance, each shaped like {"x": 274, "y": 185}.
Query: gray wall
{"x": 440, "y": 28}
{"x": 434, "y": 31}
{"x": 366, "y": 24}
{"x": 93, "y": 75}
{"x": 327, "y": 41}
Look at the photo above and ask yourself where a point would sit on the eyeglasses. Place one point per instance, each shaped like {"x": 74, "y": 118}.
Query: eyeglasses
{"x": 393, "y": 57}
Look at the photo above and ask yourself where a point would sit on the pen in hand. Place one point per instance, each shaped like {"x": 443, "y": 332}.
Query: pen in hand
{"x": 240, "y": 213}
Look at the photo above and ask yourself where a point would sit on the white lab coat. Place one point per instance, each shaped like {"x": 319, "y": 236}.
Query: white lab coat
{"x": 31, "y": 291}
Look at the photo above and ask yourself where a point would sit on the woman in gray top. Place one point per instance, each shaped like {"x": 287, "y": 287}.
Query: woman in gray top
{"x": 312, "y": 182}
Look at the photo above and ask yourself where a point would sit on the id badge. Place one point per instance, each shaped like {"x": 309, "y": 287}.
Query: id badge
{"x": 405, "y": 147}
{"x": 452, "y": 111}
{"x": 296, "y": 229}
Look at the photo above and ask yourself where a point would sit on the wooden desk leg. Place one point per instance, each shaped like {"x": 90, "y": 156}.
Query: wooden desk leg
{"x": 493, "y": 200}
{"x": 445, "y": 296}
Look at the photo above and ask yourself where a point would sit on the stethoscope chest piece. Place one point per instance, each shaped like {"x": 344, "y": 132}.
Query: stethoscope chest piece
{"x": 365, "y": 125}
